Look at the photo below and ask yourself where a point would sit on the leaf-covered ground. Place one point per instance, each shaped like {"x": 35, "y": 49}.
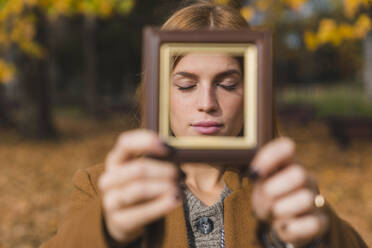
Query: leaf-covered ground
{"x": 35, "y": 177}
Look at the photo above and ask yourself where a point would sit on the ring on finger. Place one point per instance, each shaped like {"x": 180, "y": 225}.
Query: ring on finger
{"x": 319, "y": 201}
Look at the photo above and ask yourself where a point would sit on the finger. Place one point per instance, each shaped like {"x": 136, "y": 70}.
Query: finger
{"x": 133, "y": 144}
{"x": 302, "y": 230}
{"x": 135, "y": 192}
{"x": 272, "y": 156}
{"x": 299, "y": 202}
{"x": 285, "y": 181}
{"x": 261, "y": 203}
{"x": 142, "y": 168}
{"x": 140, "y": 215}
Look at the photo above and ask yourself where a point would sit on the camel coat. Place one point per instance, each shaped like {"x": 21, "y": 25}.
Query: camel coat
{"x": 83, "y": 224}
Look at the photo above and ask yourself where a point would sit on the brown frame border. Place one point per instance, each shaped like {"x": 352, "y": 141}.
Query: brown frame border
{"x": 153, "y": 38}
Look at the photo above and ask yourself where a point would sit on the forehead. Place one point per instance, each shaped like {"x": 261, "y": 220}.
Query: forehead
{"x": 206, "y": 62}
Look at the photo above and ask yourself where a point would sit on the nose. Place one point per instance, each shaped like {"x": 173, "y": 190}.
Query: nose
{"x": 207, "y": 100}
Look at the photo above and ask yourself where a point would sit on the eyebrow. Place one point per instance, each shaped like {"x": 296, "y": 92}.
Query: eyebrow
{"x": 218, "y": 76}
{"x": 186, "y": 74}
{"x": 227, "y": 73}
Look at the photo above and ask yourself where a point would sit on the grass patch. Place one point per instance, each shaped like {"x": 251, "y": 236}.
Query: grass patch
{"x": 336, "y": 100}
{"x": 69, "y": 111}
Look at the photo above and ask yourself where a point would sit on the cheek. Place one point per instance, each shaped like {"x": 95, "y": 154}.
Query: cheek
{"x": 239, "y": 111}
{"x": 174, "y": 107}
{"x": 179, "y": 107}
{"x": 233, "y": 106}
{"x": 181, "y": 103}
{"x": 236, "y": 117}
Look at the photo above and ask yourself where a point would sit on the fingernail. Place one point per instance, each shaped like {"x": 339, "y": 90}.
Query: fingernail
{"x": 171, "y": 149}
{"x": 253, "y": 175}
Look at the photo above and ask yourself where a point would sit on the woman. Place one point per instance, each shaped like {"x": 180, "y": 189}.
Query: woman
{"x": 112, "y": 204}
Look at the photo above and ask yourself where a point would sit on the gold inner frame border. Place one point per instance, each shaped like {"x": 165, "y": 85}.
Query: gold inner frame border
{"x": 250, "y": 53}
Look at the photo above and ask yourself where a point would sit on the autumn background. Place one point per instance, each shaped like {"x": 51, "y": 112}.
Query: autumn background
{"x": 69, "y": 70}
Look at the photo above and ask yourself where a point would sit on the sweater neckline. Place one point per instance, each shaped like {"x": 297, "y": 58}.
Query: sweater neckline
{"x": 190, "y": 195}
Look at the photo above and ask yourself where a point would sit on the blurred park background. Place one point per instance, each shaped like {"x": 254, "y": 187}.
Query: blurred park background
{"x": 69, "y": 70}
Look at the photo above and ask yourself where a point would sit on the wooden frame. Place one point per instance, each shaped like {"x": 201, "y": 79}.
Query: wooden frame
{"x": 255, "y": 46}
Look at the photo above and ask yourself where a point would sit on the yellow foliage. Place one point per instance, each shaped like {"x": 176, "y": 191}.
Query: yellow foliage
{"x": 263, "y": 5}
{"x": 126, "y": 6}
{"x": 98, "y": 8}
{"x": 85, "y": 7}
{"x": 105, "y": 8}
{"x": 351, "y": 6}
{"x": 11, "y": 8}
{"x": 30, "y": 2}
{"x": 278, "y": 5}
{"x": 15, "y": 6}
{"x": 222, "y": 2}
{"x": 330, "y": 32}
{"x": 62, "y": 6}
{"x": 59, "y": 7}
{"x": 19, "y": 27}
{"x": 23, "y": 33}
{"x": 362, "y": 26}
{"x": 295, "y": 4}
{"x": 6, "y": 72}
{"x": 311, "y": 41}
{"x": 23, "y": 29}
{"x": 327, "y": 31}
{"x": 32, "y": 48}
{"x": 4, "y": 39}
{"x": 248, "y": 12}
{"x": 346, "y": 31}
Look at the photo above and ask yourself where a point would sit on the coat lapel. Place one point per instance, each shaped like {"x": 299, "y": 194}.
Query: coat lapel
{"x": 240, "y": 224}
{"x": 175, "y": 233}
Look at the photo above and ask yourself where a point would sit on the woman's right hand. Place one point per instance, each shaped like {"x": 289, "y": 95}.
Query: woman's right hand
{"x": 137, "y": 190}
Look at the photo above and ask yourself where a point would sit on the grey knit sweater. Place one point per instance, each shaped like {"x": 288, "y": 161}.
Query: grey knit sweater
{"x": 204, "y": 223}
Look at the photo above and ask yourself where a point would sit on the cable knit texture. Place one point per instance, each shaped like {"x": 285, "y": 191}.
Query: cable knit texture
{"x": 194, "y": 210}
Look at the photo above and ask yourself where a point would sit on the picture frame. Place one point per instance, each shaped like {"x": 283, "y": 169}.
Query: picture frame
{"x": 160, "y": 47}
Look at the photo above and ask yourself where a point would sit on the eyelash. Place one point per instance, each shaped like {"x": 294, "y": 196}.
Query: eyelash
{"x": 226, "y": 87}
{"x": 185, "y": 88}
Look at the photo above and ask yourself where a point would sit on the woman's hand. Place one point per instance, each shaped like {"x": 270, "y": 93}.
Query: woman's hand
{"x": 137, "y": 190}
{"x": 284, "y": 193}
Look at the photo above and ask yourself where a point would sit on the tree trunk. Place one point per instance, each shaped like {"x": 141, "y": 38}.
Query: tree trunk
{"x": 5, "y": 120}
{"x": 90, "y": 73}
{"x": 368, "y": 65}
{"x": 36, "y": 118}
{"x": 52, "y": 28}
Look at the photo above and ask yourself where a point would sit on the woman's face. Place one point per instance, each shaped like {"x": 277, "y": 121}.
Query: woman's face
{"x": 206, "y": 96}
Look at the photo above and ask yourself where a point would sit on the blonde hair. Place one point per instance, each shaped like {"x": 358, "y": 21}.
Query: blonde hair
{"x": 205, "y": 15}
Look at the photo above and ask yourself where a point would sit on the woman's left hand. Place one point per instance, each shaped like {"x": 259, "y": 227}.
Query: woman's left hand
{"x": 284, "y": 194}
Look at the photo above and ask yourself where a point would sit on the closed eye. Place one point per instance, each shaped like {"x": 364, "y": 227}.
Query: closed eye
{"x": 228, "y": 87}
{"x": 229, "y": 83}
{"x": 184, "y": 88}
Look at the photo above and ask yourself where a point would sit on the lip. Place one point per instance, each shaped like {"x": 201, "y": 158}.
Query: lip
{"x": 207, "y": 127}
